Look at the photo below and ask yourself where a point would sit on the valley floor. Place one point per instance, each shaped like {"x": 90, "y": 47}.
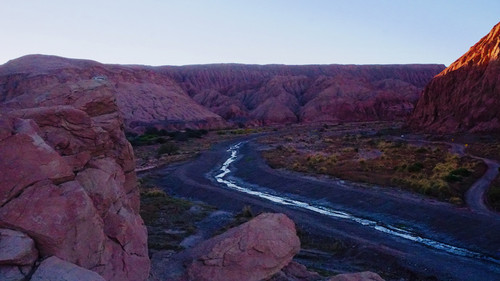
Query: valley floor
{"x": 345, "y": 245}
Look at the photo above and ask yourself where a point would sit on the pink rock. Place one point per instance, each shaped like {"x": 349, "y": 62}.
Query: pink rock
{"x": 26, "y": 159}
{"x": 12, "y": 273}
{"x": 68, "y": 180}
{"x": 361, "y": 276}
{"x": 253, "y": 251}
{"x": 295, "y": 271}
{"x": 55, "y": 269}
{"x": 61, "y": 219}
{"x": 16, "y": 248}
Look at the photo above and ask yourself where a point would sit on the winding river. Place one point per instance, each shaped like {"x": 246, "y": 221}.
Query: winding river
{"x": 222, "y": 176}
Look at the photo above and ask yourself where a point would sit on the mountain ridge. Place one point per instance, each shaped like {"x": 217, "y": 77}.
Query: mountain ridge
{"x": 227, "y": 95}
{"x": 465, "y": 96}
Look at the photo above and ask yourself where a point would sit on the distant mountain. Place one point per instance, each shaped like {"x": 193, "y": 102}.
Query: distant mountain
{"x": 466, "y": 95}
{"x": 224, "y": 95}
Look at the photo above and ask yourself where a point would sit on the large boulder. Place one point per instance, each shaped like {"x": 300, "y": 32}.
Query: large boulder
{"x": 253, "y": 251}
{"x": 68, "y": 180}
{"x": 16, "y": 248}
{"x": 55, "y": 269}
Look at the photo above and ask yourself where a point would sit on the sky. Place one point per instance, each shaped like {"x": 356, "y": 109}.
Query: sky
{"x": 164, "y": 32}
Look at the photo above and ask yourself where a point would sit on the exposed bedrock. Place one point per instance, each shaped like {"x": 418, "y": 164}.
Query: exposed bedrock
{"x": 465, "y": 97}
{"x": 222, "y": 95}
{"x": 68, "y": 180}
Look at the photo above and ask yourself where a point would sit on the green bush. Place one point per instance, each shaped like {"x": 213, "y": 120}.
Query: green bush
{"x": 169, "y": 148}
{"x": 422, "y": 150}
{"x": 452, "y": 178}
{"x": 457, "y": 175}
{"x": 415, "y": 167}
{"x": 461, "y": 172}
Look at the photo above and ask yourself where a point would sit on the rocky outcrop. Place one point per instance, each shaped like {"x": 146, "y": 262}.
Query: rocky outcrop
{"x": 68, "y": 179}
{"x": 466, "y": 95}
{"x": 144, "y": 96}
{"x": 252, "y": 251}
{"x": 215, "y": 96}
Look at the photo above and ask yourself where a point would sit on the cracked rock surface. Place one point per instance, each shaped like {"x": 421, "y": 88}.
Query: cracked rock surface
{"x": 68, "y": 183}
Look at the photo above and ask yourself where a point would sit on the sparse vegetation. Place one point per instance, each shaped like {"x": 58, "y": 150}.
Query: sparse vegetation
{"x": 168, "y": 148}
{"x": 380, "y": 160}
{"x": 169, "y": 220}
{"x": 153, "y": 136}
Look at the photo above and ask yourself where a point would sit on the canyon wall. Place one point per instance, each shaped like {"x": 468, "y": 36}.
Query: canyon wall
{"x": 228, "y": 95}
{"x": 68, "y": 184}
{"x": 465, "y": 97}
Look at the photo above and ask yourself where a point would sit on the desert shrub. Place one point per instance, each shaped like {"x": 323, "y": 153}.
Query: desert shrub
{"x": 452, "y": 178}
{"x": 415, "y": 167}
{"x": 153, "y": 192}
{"x": 464, "y": 172}
{"x": 421, "y": 150}
{"x": 456, "y": 200}
{"x": 457, "y": 175}
{"x": 161, "y": 140}
{"x": 168, "y": 148}
{"x": 246, "y": 212}
{"x": 315, "y": 159}
{"x": 151, "y": 131}
{"x": 196, "y": 133}
{"x": 494, "y": 197}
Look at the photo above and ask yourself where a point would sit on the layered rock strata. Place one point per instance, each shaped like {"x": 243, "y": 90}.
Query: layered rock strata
{"x": 225, "y": 95}
{"x": 68, "y": 180}
{"x": 465, "y": 97}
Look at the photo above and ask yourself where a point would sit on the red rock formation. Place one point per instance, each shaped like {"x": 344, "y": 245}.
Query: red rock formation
{"x": 144, "y": 97}
{"x": 255, "y": 250}
{"x": 252, "y": 251}
{"x": 271, "y": 94}
{"x": 206, "y": 96}
{"x": 68, "y": 179}
{"x": 466, "y": 95}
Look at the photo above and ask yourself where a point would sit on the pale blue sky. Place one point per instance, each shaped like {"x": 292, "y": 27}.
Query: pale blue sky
{"x": 156, "y": 32}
